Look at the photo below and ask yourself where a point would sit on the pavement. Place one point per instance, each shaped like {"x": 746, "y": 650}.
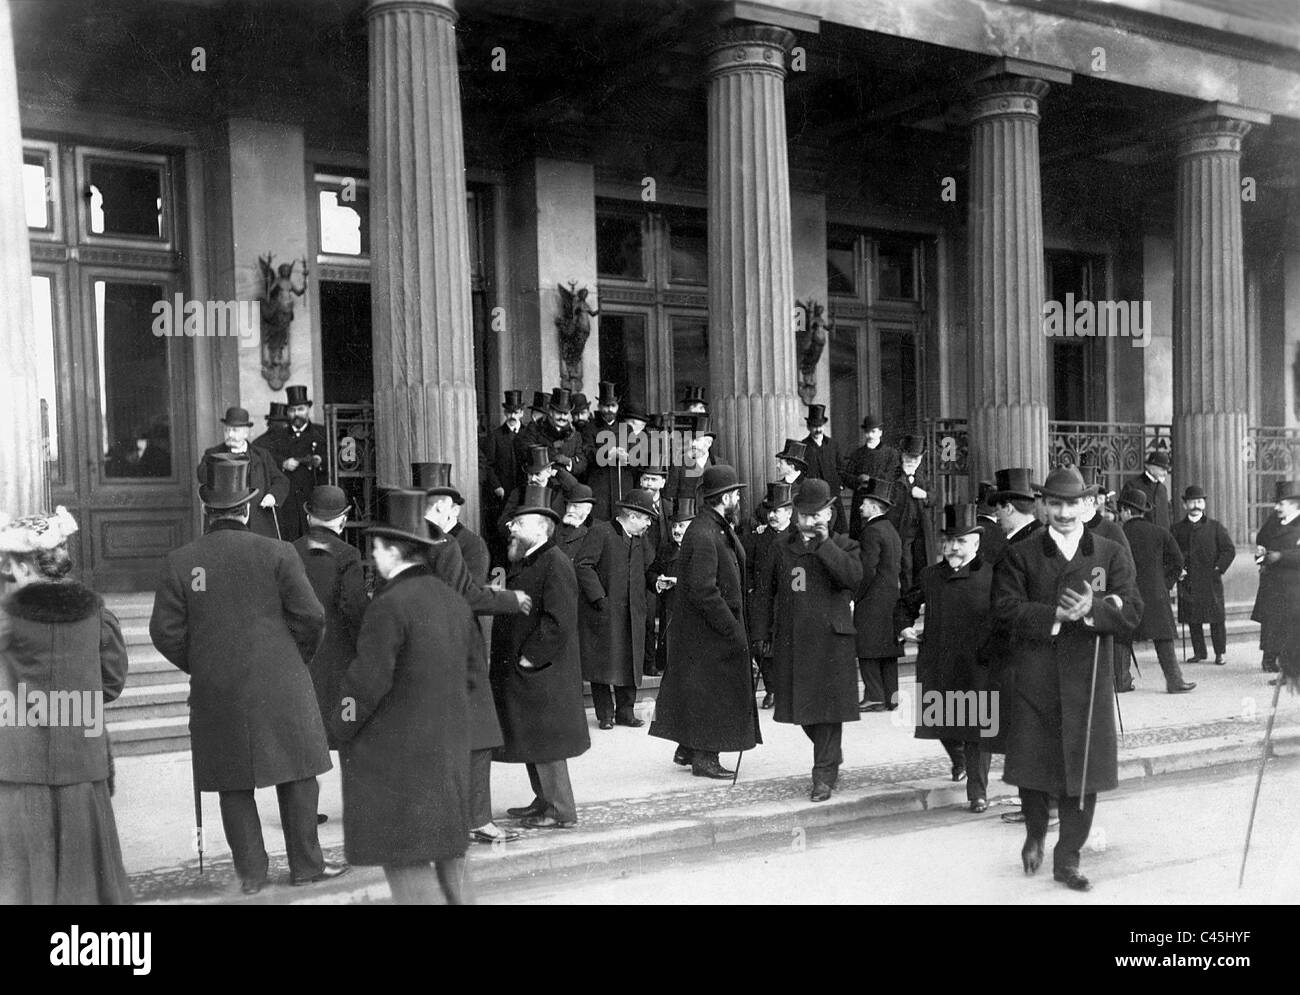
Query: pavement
{"x": 633, "y": 801}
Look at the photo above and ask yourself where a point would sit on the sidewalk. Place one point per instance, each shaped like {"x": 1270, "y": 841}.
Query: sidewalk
{"x": 633, "y": 799}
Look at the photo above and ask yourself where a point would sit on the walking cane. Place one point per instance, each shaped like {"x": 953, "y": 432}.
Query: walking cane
{"x": 1132, "y": 655}
{"x": 1182, "y": 628}
{"x": 276, "y": 518}
{"x": 1119, "y": 712}
{"x": 1087, "y": 738}
{"x": 1259, "y": 779}
{"x": 198, "y": 811}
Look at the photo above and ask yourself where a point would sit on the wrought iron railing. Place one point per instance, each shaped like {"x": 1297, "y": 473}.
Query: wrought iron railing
{"x": 1272, "y": 454}
{"x": 1118, "y": 449}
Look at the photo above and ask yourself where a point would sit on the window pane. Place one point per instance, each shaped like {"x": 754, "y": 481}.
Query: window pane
{"x": 899, "y": 409}
{"x": 134, "y": 388}
{"x": 622, "y": 353}
{"x": 845, "y": 414}
{"x": 895, "y": 270}
{"x": 46, "y": 383}
{"x": 619, "y": 247}
{"x": 125, "y": 199}
{"x": 690, "y": 353}
{"x": 344, "y": 214}
{"x": 840, "y": 269}
{"x": 688, "y": 240}
{"x": 36, "y": 190}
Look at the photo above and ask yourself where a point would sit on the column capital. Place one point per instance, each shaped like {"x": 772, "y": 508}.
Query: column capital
{"x": 1215, "y": 128}
{"x": 741, "y": 47}
{"x": 1006, "y": 96}
{"x": 440, "y": 8}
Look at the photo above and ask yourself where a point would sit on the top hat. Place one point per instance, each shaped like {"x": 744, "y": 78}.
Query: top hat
{"x": 401, "y": 516}
{"x": 960, "y": 520}
{"x": 237, "y": 418}
{"x": 639, "y": 500}
{"x": 693, "y": 395}
{"x": 1286, "y": 490}
{"x": 1136, "y": 498}
{"x": 435, "y": 479}
{"x": 1194, "y": 491}
{"x": 1095, "y": 478}
{"x": 606, "y": 393}
{"x": 982, "y": 493}
{"x": 779, "y": 495}
{"x": 814, "y": 495}
{"x": 537, "y": 501}
{"x": 279, "y": 412}
{"x": 700, "y": 426}
{"x": 327, "y": 502}
{"x": 878, "y": 489}
{"x": 870, "y": 422}
{"x": 794, "y": 453}
{"x": 296, "y": 394}
{"x": 579, "y": 494}
{"x": 539, "y": 459}
{"x": 539, "y": 400}
{"x": 816, "y": 415}
{"x": 1012, "y": 482}
{"x": 632, "y": 410}
{"x": 514, "y": 399}
{"x": 560, "y": 400}
{"x": 227, "y": 485}
{"x": 580, "y": 402}
{"x": 1158, "y": 457}
{"x": 1065, "y": 483}
{"x": 911, "y": 445}
{"x": 684, "y": 510}
{"x": 717, "y": 480}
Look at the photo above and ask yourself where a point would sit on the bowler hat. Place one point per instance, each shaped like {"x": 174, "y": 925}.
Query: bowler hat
{"x": 537, "y": 501}
{"x": 580, "y": 403}
{"x": 579, "y": 494}
{"x": 1286, "y": 490}
{"x": 279, "y": 412}
{"x": 539, "y": 400}
{"x": 878, "y": 489}
{"x": 560, "y": 400}
{"x": 870, "y": 422}
{"x": 296, "y": 394}
{"x": 717, "y": 480}
{"x": 237, "y": 418}
{"x": 1193, "y": 492}
{"x": 814, "y": 495}
{"x": 911, "y": 445}
{"x": 401, "y": 516}
{"x": 639, "y": 500}
{"x": 514, "y": 399}
{"x": 1136, "y": 498}
{"x": 606, "y": 394}
{"x": 1158, "y": 457}
{"x": 960, "y": 520}
{"x": 658, "y": 469}
{"x": 1065, "y": 483}
{"x": 539, "y": 459}
{"x": 816, "y": 415}
{"x": 327, "y": 502}
{"x": 779, "y": 495}
{"x": 1012, "y": 482}
{"x": 227, "y": 485}
{"x": 684, "y": 510}
{"x": 794, "y": 453}
{"x": 693, "y": 395}
{"x": 435, "y": 479}
{"x": 632, "y": 410}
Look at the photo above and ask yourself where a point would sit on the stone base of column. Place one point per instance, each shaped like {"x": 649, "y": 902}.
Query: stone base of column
{"x": 1210, "y": 450}
{"x": 1008, "y": 435}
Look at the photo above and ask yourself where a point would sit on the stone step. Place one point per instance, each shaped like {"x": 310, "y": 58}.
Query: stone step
{"x": 149, "y": 701}
{"x": 138, "y": 737}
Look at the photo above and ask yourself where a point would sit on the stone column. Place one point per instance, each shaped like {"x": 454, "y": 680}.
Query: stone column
{"x": 22, "y": 455}
{"x": 1210, "y": 383}
{"x": 1007, "y": 348}
{"x": 423, "y": 335}
{"x": 752, "y": 371}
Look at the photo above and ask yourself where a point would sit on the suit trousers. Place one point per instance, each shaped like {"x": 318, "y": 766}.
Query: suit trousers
{"x": 446, "y": 882}
{"x": 604, "y": 696}
{"x": 1168, "y": 663}
{"x": 298, "y": 800}
{"x": 1218, "y": 634}
{"x": 971, "y": 757}
{"x": 880, "y": 679}
{"x": 827, "y": 756}
{"x": 480, "y": 788}
{"x": 553, "y": 789}
{"x": 1075, "y": 824}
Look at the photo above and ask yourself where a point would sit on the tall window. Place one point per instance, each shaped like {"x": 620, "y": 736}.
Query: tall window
{"x": 1077, "y": 364}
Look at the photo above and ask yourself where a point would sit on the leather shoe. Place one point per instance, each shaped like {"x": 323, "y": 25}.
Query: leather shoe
{"x": 632, "y": 723}
{"x": 1125, "y": 689}
{"x": 1182, "y": 688}
{"x": 682, "y": 757}
{"x": 767, "y": 700}
{"x": 607, "y": 723}
{"x": 497, "y": 835}
{"x": 547, "y": 822}
{"x": 1013, "y": 817}
{"x": 1219, "y": 661}
{"x": 979, "y": 805}
{"x": 251, "y": 887}
{"x": 713, "y": 769}
{"x": 1195, "y": 659}
{"x": 958, "y": 772}
{"x": 1072, "y": 879}
{"x": 1031, "y": 856}
{"x": 820, "y": 791}
{"x": 523, "y": 813}
{"x": 872, "y": 706}
{"x": 327, "y": 873}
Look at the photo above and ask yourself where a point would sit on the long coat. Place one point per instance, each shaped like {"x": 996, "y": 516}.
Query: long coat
{"x": 569, "y": 538}
{"x": 802, "y": 605}
{"x": 609, "y": 483}
{"x": 1208, "y": 551}
{"x": 264, "y": 474}
{"x": 951, "y": 658}
{"x": 334, "y": 571}
{"x": 992, "y": 540}
{"x": 570, "y": 444}
{"x": 611, "y": 571}
{"x": 405, "y": 752}
{"x": 911, "y": 517}
{"x": 254, "y": 719}
{"x": 706, "y": 700}
{"x": 498, "y": 465}
{"x": 303, "y": 446}
{"x": 882, "y": 462}
{"x": 1157, "y": 499}
{"x": 1100, "y": 525}
{"x": 998, "y": 649}
{"x": 1158, "y": 562}
{"x": 873, "y": 607}
{"x": 825, "y": 463}
{"x": 1277, "y": 603}
{"x": 541, "y": 710}
{"x": 1050, "y": 707}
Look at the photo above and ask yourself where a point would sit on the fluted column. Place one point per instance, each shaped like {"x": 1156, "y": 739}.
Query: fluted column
{"x": 1007, "y": 348}
{"x": 22, "y": 458}
{"x": 752, "y": 369}
{"x": 420, "y": 279}
{"x": 1210, "y": 400}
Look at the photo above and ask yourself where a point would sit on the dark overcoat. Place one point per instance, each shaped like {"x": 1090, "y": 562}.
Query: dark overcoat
{"x": 1054, "y": 673}
{"x": 554, "y": 492}
{"x": 541, "y": 710}
{"x": 873, "y": 607}
{"x": 998, "y": 652}
{"x": 611, "y": 570}
{"x": 264, "y": 474}
{"x": 882, "y": 462}
{"x": 334, "y": 571}
{"x": 951, "y": 661}
{"x": 405, "y": 730}
{"x": 706, "y": 700}
{"x": 1277, "y": 603}
{"x": 1158, "y": 562}
{"x": 570, "y": 444}
{"x": 911, "y": 517}
{"x": 1100, "y": 525}
{"x": 235, "y": 611}
{"x": 1208, "y": 551}
{"x": 826, "y": 463}
{"x": 570, "y": 538}
{"x": 665, "y": 565}
{"x": 684, "y": 481}
{"x": 802, "y": 603}
{"x": 992, "y": 540}
{"x": 610, "y": 483}
{"x": 499, "y": 467}
{"x": 302, "y": 446}
{"x": 1157, "y": 499}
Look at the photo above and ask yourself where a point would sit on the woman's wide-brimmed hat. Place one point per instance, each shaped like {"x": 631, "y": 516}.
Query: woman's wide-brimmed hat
{"x": 35, "y": 533}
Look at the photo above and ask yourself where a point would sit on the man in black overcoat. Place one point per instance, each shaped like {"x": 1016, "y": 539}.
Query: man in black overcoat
{"x": 878, "y": 649}
{"x": 777, "y": 512}
{"x": 910, "y": 513}
{"x": 823, "y": 460}
{"x": 1151, "y": 481}
{"x": 300, "y": 452}
{"x": 870, "y": 460}
{"x": 663, "y": 575}
{"x": 263, "y": 473}
{"x": 1208, "y": 551}
{"x": 499, "y": 470}
{"x": 1277, "y": 552}
{"x": 555, "y": 431}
